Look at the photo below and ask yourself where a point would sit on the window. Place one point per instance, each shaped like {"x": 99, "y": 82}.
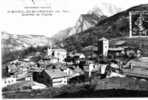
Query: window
{"x": 65, "y": 81}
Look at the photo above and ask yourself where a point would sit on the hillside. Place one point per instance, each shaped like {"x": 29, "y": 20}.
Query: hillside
{"x": 21, "y": 45}
{"x": 133, "y": 42}
{"x": 88, "y": 20}
{"x": 84, "y": 22}
{"x": 106, "y": 9}
{"x": 12, "y": 42}
{"x": 63, "y": 34}
{"x": 111, "y": 27}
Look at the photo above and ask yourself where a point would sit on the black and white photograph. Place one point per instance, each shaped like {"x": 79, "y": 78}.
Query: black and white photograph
{"x": 74, "y": 49}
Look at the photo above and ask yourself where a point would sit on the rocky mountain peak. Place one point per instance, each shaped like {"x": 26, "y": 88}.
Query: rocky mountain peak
{"x": 88, "y": 20}
{"x": 106, "y": 9}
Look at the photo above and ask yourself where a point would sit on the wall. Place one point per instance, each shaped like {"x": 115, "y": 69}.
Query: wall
{"x": 57, "y": 82}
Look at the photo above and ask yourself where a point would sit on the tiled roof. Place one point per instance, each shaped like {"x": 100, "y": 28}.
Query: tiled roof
{"x": 120, "y": 42}
{"x": 116, "y": 49}
{"x": 61, "y": 50}
{"x": 139, "y": 63}
{"x": 55, "y": 73}
{"x": 103, "y": 38}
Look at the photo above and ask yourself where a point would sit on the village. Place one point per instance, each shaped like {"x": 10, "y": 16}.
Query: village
{"x": 60, "y": 68}
{"x": 74, "y": 49}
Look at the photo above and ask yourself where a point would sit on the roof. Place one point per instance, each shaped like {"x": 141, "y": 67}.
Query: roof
{"x": 59, "y": 50}
{"x": 78, "y": 70}
{"x": 139, "y": 62}
{"x": 120, "y": 43}
{"x": 81, "y": 55}
{"x": 103, "y": 38}
{"x": 56, "y": 73}
{"x": 21, "y": 76}
{"x": 144, "y": 59}
{"x": 90, "y": 48}
{"x": 116, "y": 49}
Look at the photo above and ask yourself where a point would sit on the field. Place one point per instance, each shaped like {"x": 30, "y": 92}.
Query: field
{"x": 113, "y": 87}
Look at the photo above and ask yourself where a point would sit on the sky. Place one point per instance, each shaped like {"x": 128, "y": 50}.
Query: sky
{"x": 50, "y": 25}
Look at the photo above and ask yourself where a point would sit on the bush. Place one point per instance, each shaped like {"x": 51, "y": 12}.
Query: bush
{"x": 9, "y": 56}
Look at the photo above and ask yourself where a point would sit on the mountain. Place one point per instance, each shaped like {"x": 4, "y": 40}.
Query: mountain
{"x": 111, "y": 27}
{"x": 13, "y": 42}
{"x": 62, "y": 34}
{"x": 106, "y": 9}
{"x": 84, "y": 22}
{"x": 88, "y": 20}
{"x": 93, "y": 16}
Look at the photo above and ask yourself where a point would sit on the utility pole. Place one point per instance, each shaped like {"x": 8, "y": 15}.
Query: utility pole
{"x": 130, "y": 24}
{"x": 141, "y": 29}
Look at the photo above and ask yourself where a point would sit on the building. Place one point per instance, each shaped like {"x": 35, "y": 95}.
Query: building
{"x": 90, "y": 51}
{"x": 60, "y": 54}
{"x": 49, "y": 51}
{"x": 52, "y": 77}
{"x": 8, "y": 81}
{"x": 58, "y": 77}
{"x": 54, "y": 60}
{"x": 137, "y": 67}
{"x": 19, "y": 66}
{"x": 116, "y": 51}
{"x": 37, "y": 85}
{"x": 80, "y": 55}
{"x": 103, "y": 46}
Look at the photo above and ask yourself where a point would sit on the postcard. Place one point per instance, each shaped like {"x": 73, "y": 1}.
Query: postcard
{"x": 74, "y": 49}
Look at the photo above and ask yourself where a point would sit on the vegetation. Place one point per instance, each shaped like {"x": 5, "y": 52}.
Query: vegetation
{"x": 7, "y": 57}
{"x": 112, "y": 27}
{"x": 10, "y": 56}
{"x": 134, "y": 43}
{"x": 112, "y": 87}
{"x": 18, "y": 86}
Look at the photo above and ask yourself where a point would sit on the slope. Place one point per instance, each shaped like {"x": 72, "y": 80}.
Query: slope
{"x": 111, "y": 27}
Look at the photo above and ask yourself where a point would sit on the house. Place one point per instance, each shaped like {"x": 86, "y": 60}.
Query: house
{"x": 49, "y": 51}
{"x": 12, "y": 66}
{"x": 72, "y": 71}
{"x": 54, "y": 60}
{"x": 120, "y": 43}
{"x": 52, "y": 77}
{"x": 68, "y": 71}
{"x": 8, "y": 81}
{"x": 28, "y": 78}
{"x": 116, "y": 51}
{"x": 23, "y": 77}
{"x": 59, "y": 54}
{"x": 58, "y": 77}
{"x": 19, "y": 67}
{"x": 114, "y": 74}
{"x": 137, "y": 67}
{"x": 80, "y": 55}
{"x": 90, "y": 51}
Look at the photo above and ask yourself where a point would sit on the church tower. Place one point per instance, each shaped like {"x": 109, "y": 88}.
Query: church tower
{"x": 103, "y": 46}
